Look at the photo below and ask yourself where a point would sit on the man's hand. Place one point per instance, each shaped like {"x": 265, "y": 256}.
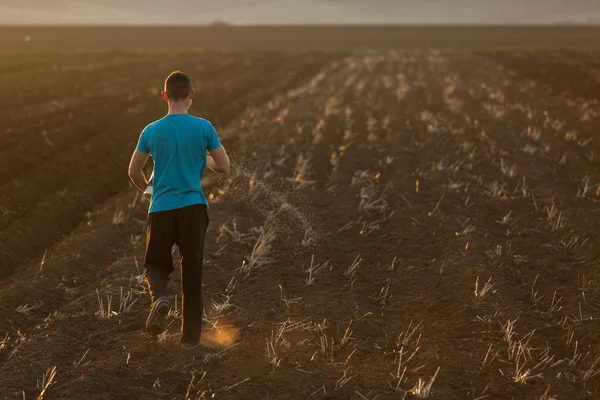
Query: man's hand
{"x": 136, "y": 173}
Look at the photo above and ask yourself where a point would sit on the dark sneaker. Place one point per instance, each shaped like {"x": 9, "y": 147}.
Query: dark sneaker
{"x": 155, "y": 324}
{"x": 204, "y": 344}
{"x": 190, "y": 345}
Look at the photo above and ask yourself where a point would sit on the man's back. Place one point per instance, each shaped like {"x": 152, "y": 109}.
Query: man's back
{"x": 178, "y": 144}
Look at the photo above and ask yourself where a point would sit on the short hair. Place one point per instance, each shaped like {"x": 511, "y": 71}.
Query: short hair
{"x": 178, "y": 86}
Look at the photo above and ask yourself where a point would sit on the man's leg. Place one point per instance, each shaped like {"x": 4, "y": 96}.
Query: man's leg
{"x": 158, "y": 265}
{"x": 191, "y": 230}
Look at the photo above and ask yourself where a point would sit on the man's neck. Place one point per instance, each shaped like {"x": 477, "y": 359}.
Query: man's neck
{"x": 177, "y": 108}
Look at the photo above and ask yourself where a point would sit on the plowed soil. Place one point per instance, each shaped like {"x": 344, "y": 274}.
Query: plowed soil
{"x": 398, "y": 224}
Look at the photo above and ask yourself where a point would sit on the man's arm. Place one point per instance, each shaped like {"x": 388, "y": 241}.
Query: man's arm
{"x": 210, "y": 162}
{"x": 136, "y": 173}
{"x": 218, "y": 160}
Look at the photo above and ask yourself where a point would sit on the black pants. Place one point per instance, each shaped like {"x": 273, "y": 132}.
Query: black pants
{"x": 185, "y": 227}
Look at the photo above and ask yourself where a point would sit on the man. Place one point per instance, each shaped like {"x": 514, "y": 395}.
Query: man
{"x": 178, "y": 144}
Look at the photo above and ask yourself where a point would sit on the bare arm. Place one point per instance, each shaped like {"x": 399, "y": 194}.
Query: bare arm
{"x": 218, "y": 160}
{"x": 136, "y": 173}
{"x": 210, "y": 162}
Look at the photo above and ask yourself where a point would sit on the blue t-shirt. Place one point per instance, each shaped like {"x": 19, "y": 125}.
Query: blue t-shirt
{"x": 178, "y": 144}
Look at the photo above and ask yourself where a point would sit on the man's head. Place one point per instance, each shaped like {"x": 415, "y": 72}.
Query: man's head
{"x": 178, "y": 88}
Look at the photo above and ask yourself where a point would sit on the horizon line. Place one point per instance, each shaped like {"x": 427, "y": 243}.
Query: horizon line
{"x": 224, "y": 24}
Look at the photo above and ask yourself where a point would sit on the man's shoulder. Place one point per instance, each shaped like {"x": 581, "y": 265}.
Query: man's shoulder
{"x": 200, "y": 121}
{"x": 193, "y": 122}
{"x": 154, "y": 124}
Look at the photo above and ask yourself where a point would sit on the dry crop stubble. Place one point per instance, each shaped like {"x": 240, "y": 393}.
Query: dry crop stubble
{"x": 385, "y": 234}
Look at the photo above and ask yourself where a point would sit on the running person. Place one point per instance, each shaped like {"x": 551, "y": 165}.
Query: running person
{"x": 178, "y": 143}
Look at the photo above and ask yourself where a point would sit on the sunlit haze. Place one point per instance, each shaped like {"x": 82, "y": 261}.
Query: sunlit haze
{"x": 300, "y": 12}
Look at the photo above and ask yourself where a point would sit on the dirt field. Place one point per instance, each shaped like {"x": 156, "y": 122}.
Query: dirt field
{"x": 397, "y": 224}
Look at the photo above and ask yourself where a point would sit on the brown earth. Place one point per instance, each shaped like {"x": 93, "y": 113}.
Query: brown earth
{"x": 69, "y": 150}
{"x": 447, "y": 203}
{"x": 66, "y": 39}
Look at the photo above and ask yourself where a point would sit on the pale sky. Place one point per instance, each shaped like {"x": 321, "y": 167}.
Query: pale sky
{"x": 299, "y": 11}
